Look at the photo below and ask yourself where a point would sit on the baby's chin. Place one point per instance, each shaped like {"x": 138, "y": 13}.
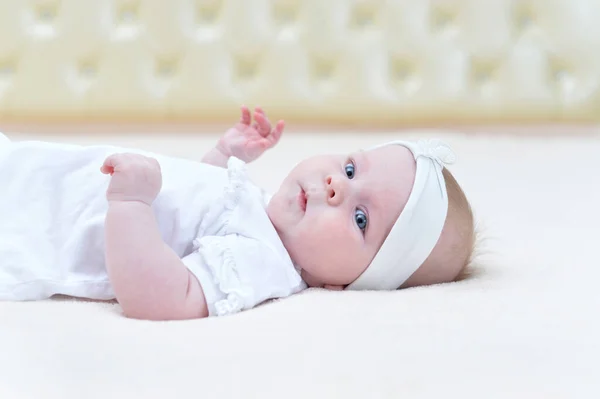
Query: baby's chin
{"x": 309, "y": 279}
{"x": 316, "y": 282}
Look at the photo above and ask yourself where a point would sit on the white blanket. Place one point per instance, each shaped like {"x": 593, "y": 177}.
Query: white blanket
{"x": 526, "y": 325}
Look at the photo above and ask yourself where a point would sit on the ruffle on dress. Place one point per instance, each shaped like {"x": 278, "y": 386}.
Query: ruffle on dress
{"x": 224, "y": 271}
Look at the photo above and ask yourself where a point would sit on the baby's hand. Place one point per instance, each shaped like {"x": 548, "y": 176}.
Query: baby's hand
{"x": 134, "y": 178}
{"x": 246, "y": 140}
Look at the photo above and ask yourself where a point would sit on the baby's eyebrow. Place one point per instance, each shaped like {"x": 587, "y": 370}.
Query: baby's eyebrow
{"x": 373, "y": 207}
{"x": 363, "y": 160}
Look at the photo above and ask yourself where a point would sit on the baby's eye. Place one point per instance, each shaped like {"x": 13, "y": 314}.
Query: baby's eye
{"x": 361, "y": 219}
{"x": 349, "y": 168}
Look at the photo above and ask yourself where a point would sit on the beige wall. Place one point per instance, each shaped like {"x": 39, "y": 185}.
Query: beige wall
{"x": 373, "y": 62}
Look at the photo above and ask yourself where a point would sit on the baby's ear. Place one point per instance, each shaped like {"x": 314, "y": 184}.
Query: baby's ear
{"x": 334, "y": 287}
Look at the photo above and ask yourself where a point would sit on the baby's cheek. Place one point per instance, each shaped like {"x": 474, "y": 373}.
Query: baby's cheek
{"x": 329, "y": 238}
{"x": 327, "y": 226}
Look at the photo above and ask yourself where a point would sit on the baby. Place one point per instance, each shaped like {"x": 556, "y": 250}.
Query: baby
{"x": 174, "y": 239}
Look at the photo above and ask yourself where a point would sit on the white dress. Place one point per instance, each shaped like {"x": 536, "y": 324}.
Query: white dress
{"x": 52, "y": 210}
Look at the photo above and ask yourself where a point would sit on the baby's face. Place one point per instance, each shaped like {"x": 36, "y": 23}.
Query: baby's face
{"x": 333, "y": 212}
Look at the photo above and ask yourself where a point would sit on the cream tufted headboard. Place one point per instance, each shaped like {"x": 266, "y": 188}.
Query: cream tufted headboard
{"x": 373, "y": 61}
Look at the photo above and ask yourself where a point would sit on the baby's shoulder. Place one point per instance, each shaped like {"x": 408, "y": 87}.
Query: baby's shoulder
{"x": 241, "y": 249}
{"x": 239, "y": 273}
{"x": 241, "y": 207}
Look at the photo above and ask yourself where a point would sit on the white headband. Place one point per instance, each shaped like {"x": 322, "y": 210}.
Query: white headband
{"x": 418, "y": 228}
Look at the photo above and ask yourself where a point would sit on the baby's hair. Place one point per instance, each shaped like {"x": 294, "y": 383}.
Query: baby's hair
{"x": 461, "y": 215}
{"x": 451, "y": 259}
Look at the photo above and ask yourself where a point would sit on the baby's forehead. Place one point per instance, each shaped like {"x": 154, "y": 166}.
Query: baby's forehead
{"x": 391, "y": 171}
{"x": 394, "y": 164}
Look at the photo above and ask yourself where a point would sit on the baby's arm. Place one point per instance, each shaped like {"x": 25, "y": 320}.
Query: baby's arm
{"x": 216, "y": 157}
{"x": 149, "y": 279}
{"x": 246, "y": 140}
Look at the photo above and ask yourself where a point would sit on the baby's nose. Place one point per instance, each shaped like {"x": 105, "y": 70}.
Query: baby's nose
{"x": 334, "y": 190}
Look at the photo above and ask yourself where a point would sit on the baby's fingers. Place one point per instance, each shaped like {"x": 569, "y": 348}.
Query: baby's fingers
{"x": 259, "y": 110}
{"x": 276, "y": 133}
{"x": 262, "y": 124}
{"x": 108, "y": 167}
{"x": 246, "y": 117}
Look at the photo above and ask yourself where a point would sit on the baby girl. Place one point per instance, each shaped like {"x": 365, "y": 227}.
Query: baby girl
{"x": 171, "y": 238}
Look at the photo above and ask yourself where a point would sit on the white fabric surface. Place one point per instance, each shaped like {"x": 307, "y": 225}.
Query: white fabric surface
{"x": 525, "y": 326}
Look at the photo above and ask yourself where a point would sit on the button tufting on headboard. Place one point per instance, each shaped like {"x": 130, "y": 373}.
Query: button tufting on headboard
{"x": 375, "y": 61}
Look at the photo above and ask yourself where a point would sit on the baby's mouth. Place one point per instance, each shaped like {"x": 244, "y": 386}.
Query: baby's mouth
{"x": 302, "y": 199}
